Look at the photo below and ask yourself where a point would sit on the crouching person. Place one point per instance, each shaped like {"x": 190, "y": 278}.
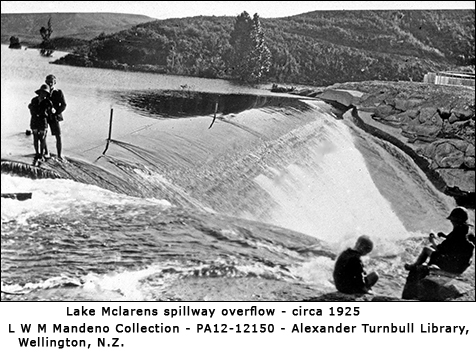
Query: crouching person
{"x": 455, "y": 253}
{"x": 431, "y": 276}
{"x": 349, "y": 274}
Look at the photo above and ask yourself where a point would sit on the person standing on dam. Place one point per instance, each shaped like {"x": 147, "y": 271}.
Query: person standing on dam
{"x": 349, "y": 274}
{"x": 40, "y": 109}
{"x": 56, "y": 116}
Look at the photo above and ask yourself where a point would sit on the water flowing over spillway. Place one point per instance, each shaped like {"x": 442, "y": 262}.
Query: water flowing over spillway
{"x": 191, "y": 191}
{"x": 252, "y": 207}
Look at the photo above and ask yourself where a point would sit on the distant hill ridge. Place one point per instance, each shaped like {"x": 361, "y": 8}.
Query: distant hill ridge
{"x": 317, "y": 48}
{"x": 83, "y": 26}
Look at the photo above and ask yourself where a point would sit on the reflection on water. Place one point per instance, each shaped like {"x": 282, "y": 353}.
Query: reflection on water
{"x": 183, "y": 103}
{"x": 90, "y": 94}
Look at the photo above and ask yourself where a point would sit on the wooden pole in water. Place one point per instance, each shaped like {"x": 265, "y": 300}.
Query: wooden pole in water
{"x": 110, "y": 133}
{"x": 215, "y": 115}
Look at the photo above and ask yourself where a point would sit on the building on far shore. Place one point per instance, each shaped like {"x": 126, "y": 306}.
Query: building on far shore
{"x": 450, "y": 78}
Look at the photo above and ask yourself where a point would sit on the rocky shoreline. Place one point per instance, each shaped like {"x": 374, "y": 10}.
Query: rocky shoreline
{"x": 433, "y": 124}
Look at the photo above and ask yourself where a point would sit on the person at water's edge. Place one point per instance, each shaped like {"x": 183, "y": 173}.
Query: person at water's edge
{"x": 349, "y": 274}
{"x": 56, "y": 116}
{"x": 455, "y": 253}
{"x": 40, "y": 109}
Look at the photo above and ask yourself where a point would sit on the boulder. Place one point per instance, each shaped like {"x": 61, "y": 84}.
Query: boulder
{"x": 459, "y": 130}
{"x": 424, "y": 132}
{"x": 429, "y": 115}
{"x": 469, "y": 157}
{"x": 463, "y": 113}
{"x": 463, "y": 180}
{"x": 452, "y": 118}
{"x": 384, "y": 110}
{"x": 345, "y": 98}
{"x": 444, "y": 112}
{"x": 341, "y": 297}
{"x": 368, "y": 100}
{"x": 407, "y": 104}
{"x": 433, "y": 285}
{"x": 447, "y": 155}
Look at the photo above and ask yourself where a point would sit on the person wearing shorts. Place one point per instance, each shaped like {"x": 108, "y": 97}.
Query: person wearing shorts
{"x": 40, "y": 109}
{"x": 59, "y": 105}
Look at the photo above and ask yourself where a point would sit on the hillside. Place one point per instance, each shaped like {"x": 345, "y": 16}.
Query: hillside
{"x": 317, "y": 48}
{"x": 340, "y": 46}
{"x": 84, "y": 26}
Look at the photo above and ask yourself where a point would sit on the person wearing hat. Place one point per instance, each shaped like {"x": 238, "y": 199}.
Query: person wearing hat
{"x": 59, "y": 105}
{"x": 349, "y": 274}
{"x": 455, "y": 253}
{"x": 40, "y": 109}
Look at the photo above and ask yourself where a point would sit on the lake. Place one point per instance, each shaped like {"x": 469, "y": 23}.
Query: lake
{"x": 253, "y": 207}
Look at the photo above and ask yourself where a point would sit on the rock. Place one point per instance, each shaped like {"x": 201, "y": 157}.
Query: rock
{"x": 17, "y": 196}
{"x": 452, "y": 118}
{"x": 413, "y": 113}
{"x": 464, "y": 180}
{"x": 433, "y": 285}
{"x": 368, "y": 100}
{"x": 440, "y": 288}
{"x": 345, "y": 98}
{"x": 426, "y": 127}
{"x": 457, "y": 129}
{"x": 463, "y": 114}
{"x": 428, "y": 115}
{"x": 447, "y": 155}
{"x": 304, "y": 92}
{"x": 395, "y": 120}
{"x": 341, "y": 297}
{"x": 407, "y": 104}
{"x": 469, "y": 162}
{"x": 444, "y": 112}
{"x": 425, "y": 132}
{"x": 384, "y": 110}
{"x": 469, "y": 157}
{"x": 277, "y": 88}
{"x": 469, "y": 150}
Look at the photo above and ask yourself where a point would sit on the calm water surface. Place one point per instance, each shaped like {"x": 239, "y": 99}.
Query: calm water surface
{"x": 90, "y": 94}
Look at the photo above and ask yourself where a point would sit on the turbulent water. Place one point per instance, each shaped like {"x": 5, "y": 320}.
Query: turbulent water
{"x": 252, "y": 208}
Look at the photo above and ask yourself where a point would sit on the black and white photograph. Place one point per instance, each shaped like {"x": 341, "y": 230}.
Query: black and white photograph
{"x": 214, "y": 151}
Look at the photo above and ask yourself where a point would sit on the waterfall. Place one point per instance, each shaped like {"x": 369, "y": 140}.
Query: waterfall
{"x": 330, "y": 193}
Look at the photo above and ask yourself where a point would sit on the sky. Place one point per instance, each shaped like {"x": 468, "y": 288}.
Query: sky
{"x": 266, "y": 9}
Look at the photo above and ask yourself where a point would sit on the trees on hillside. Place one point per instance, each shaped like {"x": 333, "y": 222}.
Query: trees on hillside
{"x": 317, "y": 49}
{"x": 46, "y": 47}
{"x": 249, "y": 58}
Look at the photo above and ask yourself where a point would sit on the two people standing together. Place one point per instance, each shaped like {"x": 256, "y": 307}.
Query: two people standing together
{"x": 47, "y": 110}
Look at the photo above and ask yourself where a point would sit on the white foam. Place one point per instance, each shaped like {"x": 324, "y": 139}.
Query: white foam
{"x": 332, "y": 196}
{"x": 316, "y": 271}
{"x": 58, "y": 196}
